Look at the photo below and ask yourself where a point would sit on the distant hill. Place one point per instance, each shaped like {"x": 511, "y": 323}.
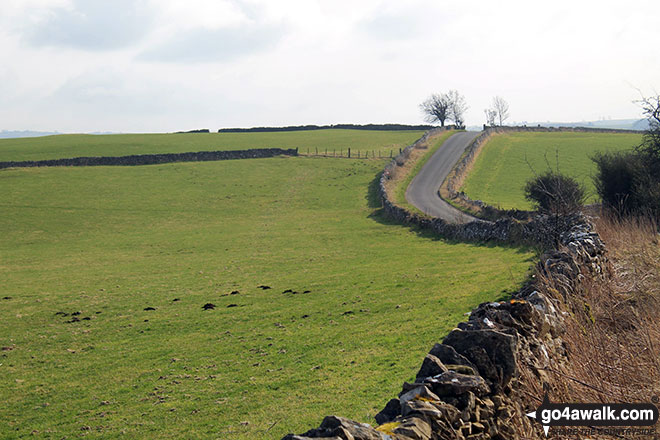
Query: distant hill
{"x": 614, "y": 124}
{"x": 642, "y": 124}
{"x": 6, "y": 134}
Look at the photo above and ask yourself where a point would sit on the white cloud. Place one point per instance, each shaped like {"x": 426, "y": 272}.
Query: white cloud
{"x": 214, "y": 45}
{"x": 208, "y": 14}
{"x": 88, "y": 24}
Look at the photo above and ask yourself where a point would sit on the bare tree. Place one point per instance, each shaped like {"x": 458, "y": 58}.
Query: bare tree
{"x": 501, "y": 108}
{"x": 651, "y": 145}
{"x": 458, "y": 106}
{"x": 437, "y": 108}
{"x": 491, "y": 115}
{"x": 445, "y": 106}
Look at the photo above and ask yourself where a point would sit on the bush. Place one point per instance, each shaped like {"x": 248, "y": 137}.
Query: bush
{"x": 627, "y": 184}
{"x": 617, "y": 180}
{"x": 554, "y": 193}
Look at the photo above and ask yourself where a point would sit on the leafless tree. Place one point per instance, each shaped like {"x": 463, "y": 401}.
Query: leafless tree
{"x": 491, "y": 115}
{"x": 458, "y": 106}
{"x": 437, "y": 108}
{"x": 445, "y": 106}
{"x": 501, "y": 108}
{"x": 651, "y": 145}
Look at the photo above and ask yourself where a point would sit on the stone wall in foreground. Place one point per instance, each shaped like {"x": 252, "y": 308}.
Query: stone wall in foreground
{"x": 152, "y": 159}
{"x": 467, "y": 385}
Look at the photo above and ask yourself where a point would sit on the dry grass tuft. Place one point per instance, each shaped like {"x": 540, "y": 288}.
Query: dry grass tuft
{"x": 612, "y": 338}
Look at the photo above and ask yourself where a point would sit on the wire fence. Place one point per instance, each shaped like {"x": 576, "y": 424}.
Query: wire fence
{"x": 348, "y": 153}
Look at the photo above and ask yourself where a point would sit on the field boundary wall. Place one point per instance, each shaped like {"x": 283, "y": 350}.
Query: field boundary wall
{"x": 153, "y": 159}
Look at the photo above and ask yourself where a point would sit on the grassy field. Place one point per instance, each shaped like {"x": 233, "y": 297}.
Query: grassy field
{"x": 501, "y": 170}
{"x": 105, "y": 270}
{"x": 65, "y": 146}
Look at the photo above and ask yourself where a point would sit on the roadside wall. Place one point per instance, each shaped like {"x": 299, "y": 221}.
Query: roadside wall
{"x": 152, "y": 159}
{"x": 467, "y": 386}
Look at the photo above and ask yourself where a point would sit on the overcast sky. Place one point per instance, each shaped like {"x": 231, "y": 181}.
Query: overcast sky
{"x": 167, "y": 65}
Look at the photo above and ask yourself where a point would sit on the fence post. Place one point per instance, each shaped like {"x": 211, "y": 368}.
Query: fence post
{"x": 358, "y": 154}
{"x": 317, "y": 151}
{"x": 349, "y": 153}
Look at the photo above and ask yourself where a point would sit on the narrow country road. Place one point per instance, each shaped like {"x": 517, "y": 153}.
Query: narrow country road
{"x": 423, "y": 190}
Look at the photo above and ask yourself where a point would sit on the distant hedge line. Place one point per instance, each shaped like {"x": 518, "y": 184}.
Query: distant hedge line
{"x": 152, "y": 159}
{"x": 201, "y": 130}
{"x": 383, "y": 127}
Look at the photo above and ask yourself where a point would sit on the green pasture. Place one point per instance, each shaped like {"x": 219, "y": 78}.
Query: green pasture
{"x": 507, "y": 161}
{"x": 75, "y": 145}
{"x": 104, "y": 272}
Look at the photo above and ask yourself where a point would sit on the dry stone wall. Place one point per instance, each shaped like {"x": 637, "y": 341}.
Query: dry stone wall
{"x": 152, "y": 159}
{"x": 467, "y": 385}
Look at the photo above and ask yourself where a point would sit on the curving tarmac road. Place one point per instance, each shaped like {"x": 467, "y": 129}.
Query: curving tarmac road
{"x": 423, "y": 190}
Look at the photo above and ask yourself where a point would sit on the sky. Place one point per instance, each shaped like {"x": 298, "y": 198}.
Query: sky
{"x": 168, "y": 65}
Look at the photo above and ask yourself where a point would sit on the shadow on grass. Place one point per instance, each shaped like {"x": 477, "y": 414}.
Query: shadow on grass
{"x": 378, "y": 215}
{"x": 373, "y": 193}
